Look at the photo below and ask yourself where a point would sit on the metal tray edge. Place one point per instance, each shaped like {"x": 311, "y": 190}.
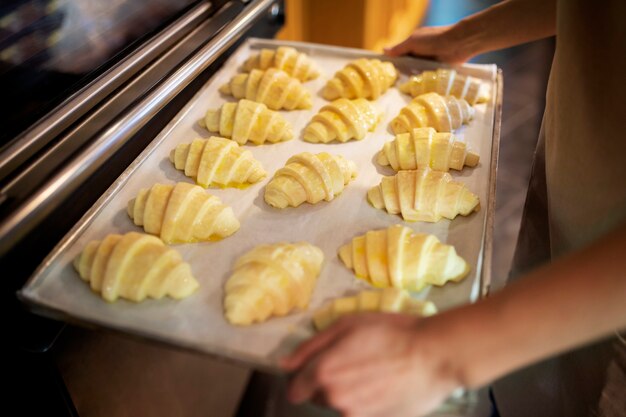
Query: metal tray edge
{"x": 487, "y": 249}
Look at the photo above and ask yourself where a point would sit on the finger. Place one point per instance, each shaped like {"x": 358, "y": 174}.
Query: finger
{"x": 402, "y": 48}
{"x": 306, "y": 384}
{"x": 311, "y": 347}
{"x": 360, "y": 397}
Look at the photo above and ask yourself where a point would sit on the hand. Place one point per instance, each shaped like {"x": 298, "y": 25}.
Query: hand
{"x": 433, "y": 42}
{"x": 373, "y": 365}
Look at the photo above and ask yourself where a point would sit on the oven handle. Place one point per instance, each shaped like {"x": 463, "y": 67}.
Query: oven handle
{"x": 34, "y": 209}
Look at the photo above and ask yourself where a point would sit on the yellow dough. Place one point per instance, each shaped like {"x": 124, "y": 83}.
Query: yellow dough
{"x": 342, "y": 120}
{"x": 424, "y": 147}
{"x": 182, "y": 213}
{"x": 217, "y": 161}
{"x": 134, "y": 266}
{"x": 247, "y": 121}
{"x": 271, "y": 87}
{"x": 294, "y": 63}
{"x": 271, "y": 280}
{"x": 311, "y": 178}
{"x": 388, "y": 300}
{"x": 447, "y": 83}
{"x": 397, "y": 257}
{"x": 444, "y": 113}
{"x": 361, "y": 78}
{"x": 423, "y": 195}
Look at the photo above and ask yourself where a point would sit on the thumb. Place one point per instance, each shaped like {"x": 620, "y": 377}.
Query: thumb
{"x": 402, "y": 48}
{"x": 313, "y": 346}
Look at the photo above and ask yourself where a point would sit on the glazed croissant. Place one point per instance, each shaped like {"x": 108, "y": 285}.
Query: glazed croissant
{"x": 271, "y": 87}
{"x": 423, "y": 195}
{"x": 397, "y": 257}
{"x": 311, "y": 178}
{"x": 134, "y": 266}
{"x": 247, "y": 121}
{"x": 388, "y": 300}
{"x": 445, "y": 82}
{"x": 271, "y": 280}
{"x": 424, "y": 147}
{"x": 342, "y": 120}
{"x": 217, "y": 161}
{"x": 182, "y": 213}
{"x": 444, "y": 113}
{"x": 294, "y": 63}
{"x": 361, "y": 78}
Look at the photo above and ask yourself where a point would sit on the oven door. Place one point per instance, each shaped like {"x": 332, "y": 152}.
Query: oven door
{"x": 58, "y": 166}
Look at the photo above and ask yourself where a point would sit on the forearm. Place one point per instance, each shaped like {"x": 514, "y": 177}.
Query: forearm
{"x": 505, "y": 24}
{"x": 573, "y": 301}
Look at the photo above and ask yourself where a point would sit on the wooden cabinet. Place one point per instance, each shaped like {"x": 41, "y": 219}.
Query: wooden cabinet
{"x": 369, "y": 24}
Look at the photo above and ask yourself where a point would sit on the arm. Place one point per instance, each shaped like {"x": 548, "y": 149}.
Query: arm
{"x": 506, "y": 24}
{"x": 397, "y": 365}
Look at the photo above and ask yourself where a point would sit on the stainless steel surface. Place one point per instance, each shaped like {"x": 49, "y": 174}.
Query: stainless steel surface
{"x": 21, "y": 221}
{"x": 29, "y": 143}
{"x": 137, "y": 174}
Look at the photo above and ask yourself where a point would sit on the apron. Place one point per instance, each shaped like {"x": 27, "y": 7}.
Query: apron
{"x": 577, "y": 193}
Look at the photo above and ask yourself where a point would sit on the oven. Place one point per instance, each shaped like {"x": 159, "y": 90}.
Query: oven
{"x": 87, "y": 85}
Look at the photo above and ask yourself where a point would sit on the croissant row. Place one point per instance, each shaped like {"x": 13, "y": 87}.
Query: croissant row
{"x": 388, "y": 300}
{"x": 341, "y": 120}
{"x": 423, "y": 195}
{"x": 311, "y": 178}
{"x": 443, "y": 113}
{"x": 397, "y": 257}
{"x": 271, "y": 87}
{"x": 134, "y": 266}
{"x": 247, "y": 121}
{"x": 445, "y": 82}
{"x": 182, "y": 213}
{"x": 423, "y": 147}
{"x": 217, "y": 161}
{"x": 285, "y": 58}
{"x": 361, "y": 78}
{"x": 271, "y": 280}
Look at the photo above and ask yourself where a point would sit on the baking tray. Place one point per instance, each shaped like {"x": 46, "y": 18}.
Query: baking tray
{"x": 197, "y": 323}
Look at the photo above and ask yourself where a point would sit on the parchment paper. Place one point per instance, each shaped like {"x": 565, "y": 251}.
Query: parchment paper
{"x": 197, "y": 322}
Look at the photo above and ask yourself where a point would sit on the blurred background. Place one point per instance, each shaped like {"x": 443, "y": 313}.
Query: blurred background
{"x": 51, "y": 49}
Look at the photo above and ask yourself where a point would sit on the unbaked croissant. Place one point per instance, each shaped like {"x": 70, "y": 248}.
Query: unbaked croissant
{"x": 342, "y": 120}
{"x": 247, "y": 121}
{"x": 361, "y": 78}
{"x": 271, "y": 280}
{"x": 424, "y": 147}
{"x": 271, "y": 87}
{"x": 444, "y": 113}
{"x": 311, "y": 178}
{"x": 423, "y": 195}
{"x": 447, "y": 83}
{"x": 388, "y": 300}
{"x": 134, "y": 266}
{"x": 397, "y": 257}
{"x": 182, "y": 213}
{"x": 217, "y": 161}
{"x": 294, "y": 63}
